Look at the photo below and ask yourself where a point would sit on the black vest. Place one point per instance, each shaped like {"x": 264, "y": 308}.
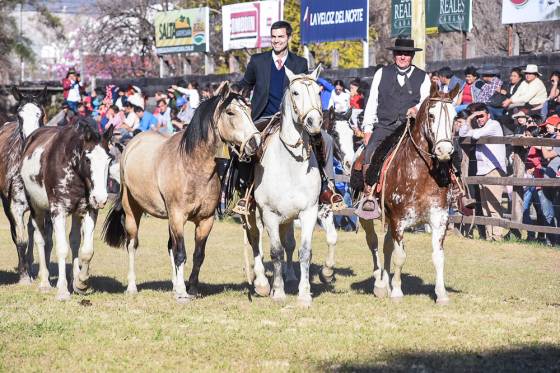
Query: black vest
{"x": 394, "y": 100}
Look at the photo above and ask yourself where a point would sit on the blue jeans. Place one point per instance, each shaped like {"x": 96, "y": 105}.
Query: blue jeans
{"x": 460, "y": 108}
{"x": 544, "y": 206}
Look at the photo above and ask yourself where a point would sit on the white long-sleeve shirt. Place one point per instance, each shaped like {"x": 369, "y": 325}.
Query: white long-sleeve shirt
{"x": 192, "y": 95}
{"x": 370, "y": 114}
{"x": 488, "y": 156}
{"x": 340, "y": 102}
{"x": 533, "y": 93}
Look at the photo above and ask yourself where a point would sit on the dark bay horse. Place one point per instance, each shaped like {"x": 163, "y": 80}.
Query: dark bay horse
{"x": 176, "y": 178}
{"x": 30, "y": 116}
{"x": 416, "y": 192}
{"x": 64, "y": 172}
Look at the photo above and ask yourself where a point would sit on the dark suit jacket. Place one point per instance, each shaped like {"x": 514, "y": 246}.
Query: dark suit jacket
{"x": 257, "y": 77}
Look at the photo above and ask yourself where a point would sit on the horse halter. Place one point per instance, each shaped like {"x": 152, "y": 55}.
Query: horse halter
{"x": 241, "y": 154}
{"x": 428, "y": 133}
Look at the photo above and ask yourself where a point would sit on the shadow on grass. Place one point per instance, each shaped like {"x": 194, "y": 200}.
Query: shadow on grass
{"x": 8, "y": 278}
{"x": 204, "y": 289}
{"x": 106, "y": 284}
{"x": 521, "y": 358}
{"x": 411, "y": 285}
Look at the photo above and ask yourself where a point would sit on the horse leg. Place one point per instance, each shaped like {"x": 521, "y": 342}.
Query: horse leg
{"x": 327, "y": 271}
{"x": 272, "y": 224}
{"x": 381, "y": 283}
{"x": 59, "y": 225}
{"x": 398, "y": 258}
{"x": 201, "y": 233}
{"x": 15, "y": 211}
{"x": 254, "y": 235}
{"x": 176, "y": 227}
{"x": 173, "y": 269}
{"x": 289, "y": 243}
{"x": 88, "y": 221}
{"x": 75, "y": 238}
{"x": 438, "y": 222}
{"x": 39, "y": 236}
{"x": 308, "y": 219}
{"x": 133, "y": 214}
{"x": 387, "y": 254}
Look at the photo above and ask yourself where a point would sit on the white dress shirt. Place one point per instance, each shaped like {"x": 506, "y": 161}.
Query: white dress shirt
{"x": 488, "y": 156}
{"x": 370, "y": 114}
{"x": 340, "y": 102}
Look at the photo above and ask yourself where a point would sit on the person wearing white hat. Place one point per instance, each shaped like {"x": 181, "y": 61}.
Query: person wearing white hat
{"x": 531, "y": 92}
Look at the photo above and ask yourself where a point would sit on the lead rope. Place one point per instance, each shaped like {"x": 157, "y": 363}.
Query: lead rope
{"x": 384, "y": 182}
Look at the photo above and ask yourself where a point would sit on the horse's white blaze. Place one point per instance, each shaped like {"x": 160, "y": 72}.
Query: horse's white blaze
{"x": 442, "y": 128}
{"x": 30, "y": 115}
{"x": 30, "y": 169}
{"x": 99, "y": 163}
{"x": 346, "y": 137}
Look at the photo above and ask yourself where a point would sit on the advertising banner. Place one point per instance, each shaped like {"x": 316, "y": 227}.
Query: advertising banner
{"x": 331, "y": 20}
{"x": 247, "y": 25}
{"x": 184, "y": 30}
{"x": 521, "y": 11}
{"x": 441, "y": 16}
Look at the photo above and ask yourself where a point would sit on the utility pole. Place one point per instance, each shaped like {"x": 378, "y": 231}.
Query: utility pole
{"x": 419, "y": 31}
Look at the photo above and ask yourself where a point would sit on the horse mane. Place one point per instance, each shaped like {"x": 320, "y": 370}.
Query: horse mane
{"x": 203, "y": 123}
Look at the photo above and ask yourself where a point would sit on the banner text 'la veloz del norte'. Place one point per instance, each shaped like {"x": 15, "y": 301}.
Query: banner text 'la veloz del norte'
{"x": 331, "y": 20}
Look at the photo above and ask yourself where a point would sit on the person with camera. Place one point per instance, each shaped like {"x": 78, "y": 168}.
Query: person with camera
{"x": 490, "y": 162}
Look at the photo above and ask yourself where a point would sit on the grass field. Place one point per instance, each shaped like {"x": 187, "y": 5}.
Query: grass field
{"x": 504, "y": 313}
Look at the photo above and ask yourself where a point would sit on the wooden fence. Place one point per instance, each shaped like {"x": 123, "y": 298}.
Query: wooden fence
{"x": 516, "y": 180}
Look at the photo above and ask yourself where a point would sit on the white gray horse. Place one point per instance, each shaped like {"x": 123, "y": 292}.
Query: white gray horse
{"x": 287, "y": 186}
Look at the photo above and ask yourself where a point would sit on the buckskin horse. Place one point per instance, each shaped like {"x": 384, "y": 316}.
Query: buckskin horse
{"x": 287, "y": 185}
{"x": 64, "y": 172}
{"x": 416, "y": 191}
{"x": 176, "y": 178}
{"x": 30, "y": 116}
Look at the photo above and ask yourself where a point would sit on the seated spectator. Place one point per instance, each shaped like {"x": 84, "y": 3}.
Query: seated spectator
{"x": 113, "y": 116}
{"x": 121, "y": 98}
{"x": 193, "y": 100}
{"x": 147, "y": 120}
{"x": 326, "y": 87}
{"x": 340, "y": 98}
{"x": 356, "y": 95}
{"x": 183, "y": 116}
{"x": 554, "y": 95}
{"x": 207, "y": 92}
{"x": 469, "y": 92}
{"x": 132, "y": 121}
{"x": 448, "y": 80}
{"x": 492, "y": 85}
{"x": 531, "y": 93}
{"x": 515, "y": 80}
{"x": 490, "y": 162}
{"x": 165, "y": 124}
{"x": 434, "y": 77}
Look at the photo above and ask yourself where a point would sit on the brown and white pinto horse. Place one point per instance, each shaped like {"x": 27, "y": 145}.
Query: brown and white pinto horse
{"x": 176, "y": 178}
{"x": 64, "y": 172}
{"x": 416, "y": 192}
{"x": 30, "y": 116}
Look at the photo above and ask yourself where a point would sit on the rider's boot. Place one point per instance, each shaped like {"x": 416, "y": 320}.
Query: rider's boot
{"x": 369, "y": 200}
{"x": 329, "y": 195}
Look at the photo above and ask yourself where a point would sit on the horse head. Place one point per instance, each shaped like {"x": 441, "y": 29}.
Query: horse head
{"x": 234, "y": 123}
{"x": 305, "y": 102}
{"x": 92, "y": 161}
{"x": 30, "y": 113}
{"x": 440, "y": 114}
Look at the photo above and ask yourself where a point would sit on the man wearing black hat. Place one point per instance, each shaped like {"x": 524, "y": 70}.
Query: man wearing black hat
{"x": 397, "y": 90}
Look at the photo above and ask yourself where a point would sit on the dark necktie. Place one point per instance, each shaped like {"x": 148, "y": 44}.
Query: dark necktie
{"x": 406, "y": 80}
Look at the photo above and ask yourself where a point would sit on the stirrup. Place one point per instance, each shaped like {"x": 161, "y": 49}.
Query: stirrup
{"x": 367, "y": 215}
{"x": 337, "y": 206}
{"x": 242, "y": 207}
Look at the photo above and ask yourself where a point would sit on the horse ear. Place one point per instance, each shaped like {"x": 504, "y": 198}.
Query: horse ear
{"x": 315, "y": 74}
{"x": 16, "y": 93}
{"x": 289, "y": 73}
{"x": 108, "y": 134}
{"x": 224, "y": 89}
{"x": 85, "y": 129}
{"x": 434, "y": 90}
{"x": 454, "y": 91}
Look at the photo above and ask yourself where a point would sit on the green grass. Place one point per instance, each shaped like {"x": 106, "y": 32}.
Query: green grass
{"x": 504, "y": 313}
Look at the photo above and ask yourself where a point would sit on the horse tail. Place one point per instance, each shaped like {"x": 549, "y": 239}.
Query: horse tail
{"x": 113, "y": 232}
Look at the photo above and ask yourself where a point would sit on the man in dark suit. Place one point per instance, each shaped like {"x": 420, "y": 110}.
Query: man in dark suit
{"x": 266, "y": 76}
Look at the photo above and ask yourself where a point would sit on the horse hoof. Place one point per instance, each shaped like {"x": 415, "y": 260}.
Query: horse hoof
{"x": 379, "y": 292}
{"x": 79, "y": 287}
{"x": 184, "y": 298}
{"x": 304, "y": 302}
{"x": 45, "y": 288}
{"x": 278, "y": 296}
{"x": 63, "y": 296}
{"x": 442, "y": 301}
{"x": 263, "y": 290}
{"x": 326, "y": 275}
{"x": 25, "y": 280}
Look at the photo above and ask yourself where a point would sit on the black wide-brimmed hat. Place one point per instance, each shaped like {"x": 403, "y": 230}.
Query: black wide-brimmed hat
{"x": 405, "y": 45}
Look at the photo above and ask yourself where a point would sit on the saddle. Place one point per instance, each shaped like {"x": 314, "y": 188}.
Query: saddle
{"x": 267, "y": 127}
